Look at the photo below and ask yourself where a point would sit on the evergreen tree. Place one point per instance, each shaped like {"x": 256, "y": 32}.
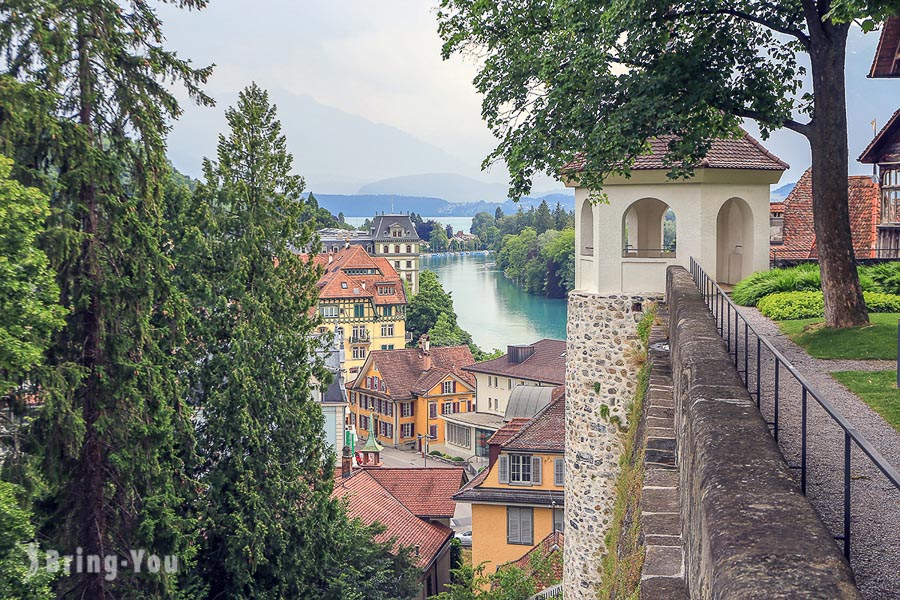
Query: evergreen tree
{"x": 111, "y": 438}
{"x": 267, "y": 471}
{"x": 560, "y": 217}
{"x": 543, "y": 220}
{"x": 498, "y": 213}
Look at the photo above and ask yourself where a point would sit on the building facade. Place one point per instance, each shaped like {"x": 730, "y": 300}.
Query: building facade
{"x": 405, "y": 392}
{"x": 392, "y": 237}
{"x": 362, "y": 302}
{"x": 884, "y": 151}
{"x": 518, "y": 501}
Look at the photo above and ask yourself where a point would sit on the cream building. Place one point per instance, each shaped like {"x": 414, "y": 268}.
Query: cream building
{"x": 721, "y": 218}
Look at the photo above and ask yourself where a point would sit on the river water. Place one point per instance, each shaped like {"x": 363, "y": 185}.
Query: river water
{"x": 493, "y": 309}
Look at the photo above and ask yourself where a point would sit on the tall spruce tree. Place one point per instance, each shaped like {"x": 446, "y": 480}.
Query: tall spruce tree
{"x": 110, "y": 441}
{"x": 267, "y": 471}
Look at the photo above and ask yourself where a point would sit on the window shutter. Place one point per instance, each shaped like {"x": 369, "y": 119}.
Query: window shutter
{"x": 526, "y": 531}
{"x": 412, "y": 409}
{"x": 559, "y": 472}
{"x": 453, "y": 385}
{"x": 513, "y": 531}
{"x": 536, "y": 465}
{"x": 503, "y": 469}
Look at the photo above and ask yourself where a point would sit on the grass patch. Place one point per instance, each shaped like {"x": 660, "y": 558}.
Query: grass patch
{"x": 878, "y": 389}
{"x": 878, "y": 340}
{"x": 620, "y": 567}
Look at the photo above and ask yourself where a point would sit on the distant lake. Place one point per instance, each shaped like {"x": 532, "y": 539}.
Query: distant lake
{"x": 491, "y": 308}
{"x": 459, "y": 223}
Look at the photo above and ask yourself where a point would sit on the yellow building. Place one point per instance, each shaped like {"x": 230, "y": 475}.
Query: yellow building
{"x": 362, "y": 301}
{"x": 518, "y": 500}
{"x": 406, "y": 391}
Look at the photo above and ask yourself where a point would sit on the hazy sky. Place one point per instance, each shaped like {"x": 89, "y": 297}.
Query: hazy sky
{"x": 381, "y": 60}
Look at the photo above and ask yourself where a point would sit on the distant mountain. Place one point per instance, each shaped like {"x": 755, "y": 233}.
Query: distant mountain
{"x": 779, "y": 194}
{"x": 335, "y": 151}
{"x": 366, "y": 205}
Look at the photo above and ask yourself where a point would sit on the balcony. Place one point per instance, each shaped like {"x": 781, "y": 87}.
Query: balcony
{"x": 361, "y": 337}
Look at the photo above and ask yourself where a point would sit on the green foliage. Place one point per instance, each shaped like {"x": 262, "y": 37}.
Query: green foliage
{"x": 29, "y": 297}
{"x": 885, "y": 276}
{"x": 423, "y": 310}
{"x": 436, "y": 453}
{"x": 541, "y": 264}
{"x": 438, "y": 239}
{"x": 782, "y": 306}
{"x": 447, "y": 333}
{"x": 16, "y": 583}
{"x": 509, "y": 582}
{"x": 878, "y": 389}
{"x": 878, "y": 340}
{"x": 645, "y": 325}
{"x": 804, "y": 277}
{"x": 458, "y": 459}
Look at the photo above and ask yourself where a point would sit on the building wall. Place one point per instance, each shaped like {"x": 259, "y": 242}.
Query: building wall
{"x": 492, "y": 399}
{"x": 405, "y": 263}
{"x": 493, "y": 481}
{"x": 489, "y": 535}
{"x": 372, "y": 322}
{"x": 696, "y": 204}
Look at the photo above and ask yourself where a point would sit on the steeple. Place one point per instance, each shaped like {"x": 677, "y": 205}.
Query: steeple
{"x": 372, "y": 448}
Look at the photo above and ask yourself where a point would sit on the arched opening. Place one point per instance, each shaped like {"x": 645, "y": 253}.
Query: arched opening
{"x": 587, "y": 229}
{"x": 734, "y": 241}
{"x": 648, "y": 230}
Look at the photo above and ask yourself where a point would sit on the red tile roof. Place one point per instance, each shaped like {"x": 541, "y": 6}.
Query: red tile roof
{"x": 509, "y": 429}
{"x": 776, "y": 208}
{"x": 404, "y": 374}
{"x": 369, "y": 501}
{"x": 743, "y": 152}
{"x": 799, "y": 238}
{"x": 885, "y": 146}
{"x": 547, "y": 364}
{"x": 426, "y": 492}
{"x": 337, "y": 283}
{"x": 886, "y": 62}
{"x": 555, "y": 542}
{"x": 545, "y": 432}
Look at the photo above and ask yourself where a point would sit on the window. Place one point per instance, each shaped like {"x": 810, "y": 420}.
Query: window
{"x": 406, "y": 430}
{"x": 386, "y": 249}
{"x": 490, "y": 381}
{"x": 359, "y": 352}
{"x": 448, "y": 408}
{"x": 359, "y": 310}
{"x": 558, "y": 519}
{"x": 409, "y": 264}
{"x": 409, "y": 248}
{"x": 387, "y": 311}
{"x": 343, "y": 285}
{"x": 448, "y": 387}
{"x": 387, "y": 346}
{"x": 387, "y": 330}
{"x": 352, "y": 398}
{"x": 432, "y": 431}
{"x": 519, "y": 469}
{"x": 396, "y": 248}
{"x": 432, "y": 410}
{"x": 409, "y": 276}
{"x": 559, "y": 472}
{"x": 458, "y": 435}
{"x": 359, "y": 332}
{"x": 330, "y": 312}
{"x": 519, "y": 525}
{"x": 363, "y": 422}
{"x": 509, "y": 384}
{"x": 396, "y": 264}
{"x": 407, "y": 409}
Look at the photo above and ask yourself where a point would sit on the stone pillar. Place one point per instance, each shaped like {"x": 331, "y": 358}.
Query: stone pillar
{"x": 598, "y": 373}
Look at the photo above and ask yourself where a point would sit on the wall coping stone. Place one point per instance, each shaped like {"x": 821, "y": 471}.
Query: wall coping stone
{"x": 747, "y": 529}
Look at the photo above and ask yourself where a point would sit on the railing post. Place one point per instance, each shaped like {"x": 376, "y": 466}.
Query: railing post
{"x": 758, "y": 371}
{"x": 803, "y": 441}
{"x": 847, "y": 494}
{"x": 777, "y": 394}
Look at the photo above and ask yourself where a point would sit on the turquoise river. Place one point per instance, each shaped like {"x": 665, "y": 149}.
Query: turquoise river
{"x": 493, "y": 309}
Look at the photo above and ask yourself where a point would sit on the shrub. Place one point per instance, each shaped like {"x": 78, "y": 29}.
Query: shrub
{"x": 752, "y": 289}
{"x": 436, "y": 453}
{"x": 885, "y": 277}
{"x": 458, "y": 459}
{"x": 784, "y": 306}
{"x": 878, "y": 302}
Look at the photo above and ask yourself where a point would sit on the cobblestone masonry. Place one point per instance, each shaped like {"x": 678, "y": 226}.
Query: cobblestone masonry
{"x": 600, "y": 331}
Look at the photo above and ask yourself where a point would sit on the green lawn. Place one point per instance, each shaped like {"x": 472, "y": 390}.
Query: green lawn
{"x": 875, "y": 341}
{"x": 878, "y": 389}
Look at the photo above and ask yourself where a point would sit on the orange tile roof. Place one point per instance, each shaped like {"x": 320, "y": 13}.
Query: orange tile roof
{"x": 555, "y": 542}
{"x": 509, "y": 429}
{"x": 426, "y": 492}
{"x": 799, "y": 237}
{"x": 337, "y": 284}
{"x": 369, "y": 501}
{"x": 404, "y": 374}
{"x": 744, "y": 152}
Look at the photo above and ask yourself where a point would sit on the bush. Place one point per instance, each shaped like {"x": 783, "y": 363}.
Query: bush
{"x": 458, "y": 459}
{"x": 806, "y": 278}
{"x": 784, "y": 306}
{"x": 878, "y": 302}
{"x": 436, "y": 453}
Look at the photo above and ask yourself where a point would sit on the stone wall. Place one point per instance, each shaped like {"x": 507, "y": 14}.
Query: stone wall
{"x": 748, "y": 531}
{"x": 598, "y": 372}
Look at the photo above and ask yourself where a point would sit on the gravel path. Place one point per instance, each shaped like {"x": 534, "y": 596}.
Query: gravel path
{"x": 875, "y": 502}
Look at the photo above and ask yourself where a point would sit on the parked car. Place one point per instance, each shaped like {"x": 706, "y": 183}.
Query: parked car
{"x": 465, "y": 538}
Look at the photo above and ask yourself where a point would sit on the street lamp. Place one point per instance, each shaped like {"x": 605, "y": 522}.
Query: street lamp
{"x": 424, "y": 444}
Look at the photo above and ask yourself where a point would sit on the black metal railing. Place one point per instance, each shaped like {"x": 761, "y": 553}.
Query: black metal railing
{"x": 750, "y": 351}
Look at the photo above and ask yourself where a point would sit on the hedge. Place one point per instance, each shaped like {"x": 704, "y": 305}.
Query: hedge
{"x": 806, "y": 278}
{"x": 782, "y": 306}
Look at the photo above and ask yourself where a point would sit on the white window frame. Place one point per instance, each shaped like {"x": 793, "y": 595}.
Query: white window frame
{"x": 329, "y": 311}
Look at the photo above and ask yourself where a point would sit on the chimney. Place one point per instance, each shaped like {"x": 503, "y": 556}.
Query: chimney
{"x": 417, "y": 550}
{"x": 346, "y": 462}
{"x": 364, "y": 285}
{"x": 516, "y": 355}
{"x": 330, "y": 259}
{"x": 425, "y": 346}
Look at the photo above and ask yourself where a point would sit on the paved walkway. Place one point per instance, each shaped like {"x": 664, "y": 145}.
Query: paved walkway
{"x": 875, "y": 522}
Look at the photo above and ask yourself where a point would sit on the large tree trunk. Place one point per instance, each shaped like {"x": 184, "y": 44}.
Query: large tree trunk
{"x": 844, "y": 305}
